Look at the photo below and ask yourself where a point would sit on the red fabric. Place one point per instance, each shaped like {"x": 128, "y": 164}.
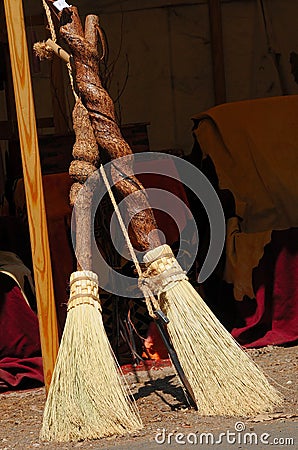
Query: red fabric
{"x": 272, "y": 317}
{"x": 20, "y": 353}
{"x": 56, "y": 192}
{"x": 154, "y": 345}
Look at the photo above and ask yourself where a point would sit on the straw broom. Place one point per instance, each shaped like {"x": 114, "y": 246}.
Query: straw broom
{"x": 224, "y": 379}
{"x": 87, "y": 398}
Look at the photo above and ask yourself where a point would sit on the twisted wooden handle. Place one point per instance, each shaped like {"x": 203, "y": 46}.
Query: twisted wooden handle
{"x": 101, "y": 111}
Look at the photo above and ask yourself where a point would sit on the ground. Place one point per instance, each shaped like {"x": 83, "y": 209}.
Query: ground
{"x": 162, "y": 406}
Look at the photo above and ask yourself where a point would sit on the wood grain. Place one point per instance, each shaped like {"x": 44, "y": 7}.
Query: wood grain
{"x": 33, "y": 184}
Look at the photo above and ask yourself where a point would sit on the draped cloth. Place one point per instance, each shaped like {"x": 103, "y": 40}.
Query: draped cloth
{"x": 253, "y": 145}
{"x": 56, "y": 191}
{"x": 20, "y": 352}
{"x": 271, "y": 318}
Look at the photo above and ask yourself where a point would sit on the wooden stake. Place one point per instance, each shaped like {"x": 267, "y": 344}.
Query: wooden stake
{"x": 33, "y": 185}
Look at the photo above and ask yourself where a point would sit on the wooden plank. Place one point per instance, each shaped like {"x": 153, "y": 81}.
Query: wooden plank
{"x": 33, "y": 184}
{"x": 219, "y": 79}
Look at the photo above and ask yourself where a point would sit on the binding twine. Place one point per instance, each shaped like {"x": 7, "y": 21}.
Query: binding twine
{"x": 84, "y": 290}
{"x": 161, "y": 274}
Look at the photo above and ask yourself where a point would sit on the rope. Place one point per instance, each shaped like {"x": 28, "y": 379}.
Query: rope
{"x": 151, "y": 302}
{"x": 121, "y": 222}
{"x": 50, "y": 20}
{"x": 54, "y": 39}
{"x": 71, "y": 81}
{"x": 163, "y": 278}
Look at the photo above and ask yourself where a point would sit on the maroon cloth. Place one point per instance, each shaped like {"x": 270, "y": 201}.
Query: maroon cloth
{"x": 272, "y": 317}
{"x": 20, "y": 352}
{"x": 56, "y": 192}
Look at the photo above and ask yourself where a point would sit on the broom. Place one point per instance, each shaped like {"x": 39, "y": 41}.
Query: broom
{"x": 224, "y": 379}
{"x": 87, "y": 398}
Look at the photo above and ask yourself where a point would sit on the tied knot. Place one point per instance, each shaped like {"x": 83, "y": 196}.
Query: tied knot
{"x": 152, "y": 302}
{"x": 162, "y": 274}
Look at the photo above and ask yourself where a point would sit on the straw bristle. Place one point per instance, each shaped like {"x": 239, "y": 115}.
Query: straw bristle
{"x": 87, "y": 398}
{"x": 43, "y": 51}
{"x": 224, "y": 379}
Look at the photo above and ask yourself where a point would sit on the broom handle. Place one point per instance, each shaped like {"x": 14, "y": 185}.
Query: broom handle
{"x": 102, "y": 116}
{"x": 83, "y": 233}
{"x": 33, "y": 186}
{"x": 160, "y": 323}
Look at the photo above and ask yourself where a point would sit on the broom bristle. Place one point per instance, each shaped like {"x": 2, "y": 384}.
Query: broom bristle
{"x": 224, "y": 379}
{"x": 87, "y": 398}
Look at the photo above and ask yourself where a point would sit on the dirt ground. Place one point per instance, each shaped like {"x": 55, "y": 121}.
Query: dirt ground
{"x": 161, "y": 403}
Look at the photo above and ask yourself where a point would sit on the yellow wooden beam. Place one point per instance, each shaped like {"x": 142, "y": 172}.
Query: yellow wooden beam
{"x": 33, "y": 184}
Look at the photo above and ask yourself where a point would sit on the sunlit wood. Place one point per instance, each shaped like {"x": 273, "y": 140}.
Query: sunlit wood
{"x": 33, "y": 184}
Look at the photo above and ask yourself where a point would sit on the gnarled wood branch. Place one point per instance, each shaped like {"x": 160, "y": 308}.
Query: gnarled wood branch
{"x": 83, "y": 45}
